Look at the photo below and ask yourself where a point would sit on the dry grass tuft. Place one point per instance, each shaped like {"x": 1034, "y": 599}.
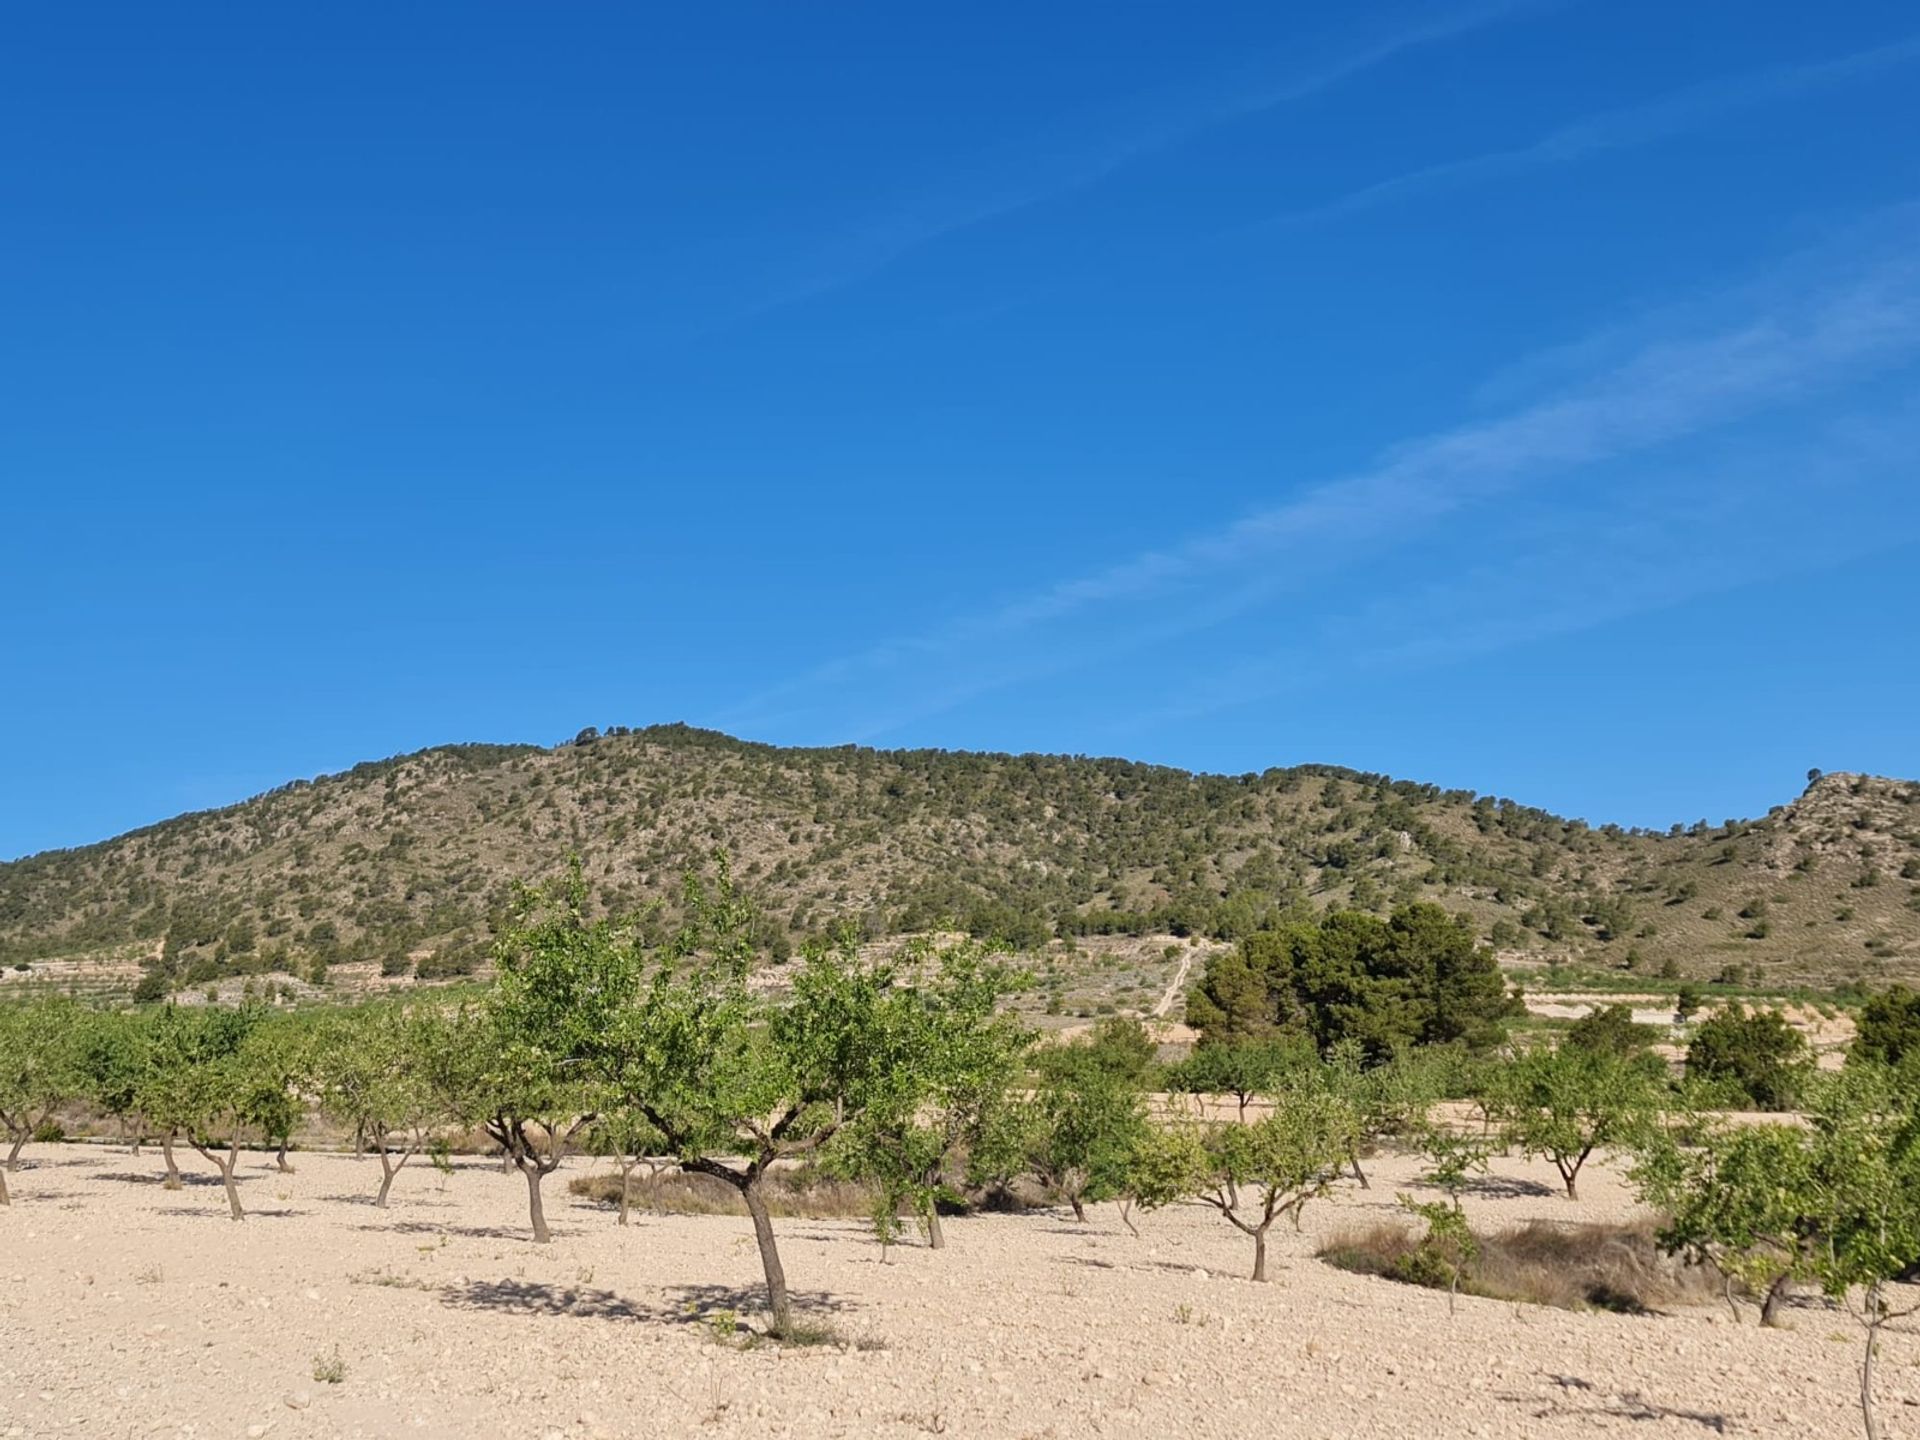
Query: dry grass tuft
{"x": 1574, "y": 1267}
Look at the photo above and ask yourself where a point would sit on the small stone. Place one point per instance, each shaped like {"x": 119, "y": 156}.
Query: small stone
{"x": 300, "y": 1400}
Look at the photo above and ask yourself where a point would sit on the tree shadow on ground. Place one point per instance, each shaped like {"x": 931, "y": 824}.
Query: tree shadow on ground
{"x": 29, "y": 1161}
{"x": 1172, "y": 1267}
{"x": 396, "y": 1201}
{"x": 1508, "y": 1187}
{"x": 1580, "y": 1398}
{"x": 682, "y": 1305}
{"x": 469, "y": 1232}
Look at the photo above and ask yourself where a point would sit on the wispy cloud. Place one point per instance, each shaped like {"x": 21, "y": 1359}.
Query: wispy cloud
{"x": 1673, "y": 534}
{"x": 1049, "y": 167}
{"x": 1669, "y": 115}
{"x": 1822, "y": 319}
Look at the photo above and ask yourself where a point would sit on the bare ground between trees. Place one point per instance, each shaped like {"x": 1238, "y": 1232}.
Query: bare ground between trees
{"x": 129, "y": 1309}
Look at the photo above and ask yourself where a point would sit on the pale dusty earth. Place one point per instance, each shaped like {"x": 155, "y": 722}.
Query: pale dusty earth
{"x": 129, "y": 1310}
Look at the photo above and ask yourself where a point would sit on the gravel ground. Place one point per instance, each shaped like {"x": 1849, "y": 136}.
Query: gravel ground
{"x": 126, "y": 1309}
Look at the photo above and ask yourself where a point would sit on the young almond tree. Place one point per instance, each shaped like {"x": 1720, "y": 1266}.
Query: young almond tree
{"x": 207, "y": 1082}
{"x": 1387, "y": 1099}
{"x": 629, "y": 1139}
{"x": 736, "y": 1085}
{"x": 1566, "y": 1103}
{"x": 371, "y": 1068}
{"x": 956, "y": 1055}
{"x": 1242, "y": 1069}
{"x": 1449, "y": 1246}
{"x": 1086, "y": 1117}
{"x": 39, "y": 1070}
{"x": 112, "y": 1059}
{"x": 281, "y": 1054}
{"x": 565, "y": 982}
{"x": 1252, "y": 1174}
{"x": 1835, "y": 1202}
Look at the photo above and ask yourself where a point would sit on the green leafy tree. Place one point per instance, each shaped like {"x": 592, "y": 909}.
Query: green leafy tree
{"x": 1387, "y": 1099}
{"x": 372, "y": 1068}
{"x": 1564, "y": 1104}
{"x": 625, "y": 1136}
{"x": 735, "y": 1085}
{"x": 1836, "y": 1201}
{"x": 208, "y": 1083}
{"x": 281, "y": 1058}
{"x": 39, "y": 1069}
{"x": 1736, "y": 1199}
{"x": 565, "y": 980}
{"x": 112, "y": 1060}
{"x": 1611, "y": 1030}
{"x": 1755, "y": 1056}
{"x": 959, "y": 1056}
{"x": 1081, "y": 1126}
{"x": 1416, "y": 978}
{"x": 1240, "y": 1069}
{"x": 1251, "y": 1174}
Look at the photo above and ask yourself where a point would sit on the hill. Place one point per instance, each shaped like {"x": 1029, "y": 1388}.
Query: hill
{"x": 397, "y": 868}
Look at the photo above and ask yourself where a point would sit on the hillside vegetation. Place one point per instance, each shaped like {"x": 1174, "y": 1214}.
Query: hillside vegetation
{"x": 406, "y": 864}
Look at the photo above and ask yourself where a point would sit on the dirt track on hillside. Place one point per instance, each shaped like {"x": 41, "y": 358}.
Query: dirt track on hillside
{"x": 129, "y": 1310}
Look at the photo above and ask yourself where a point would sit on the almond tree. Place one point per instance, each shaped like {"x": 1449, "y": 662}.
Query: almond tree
{"x": 1251, "y": 1174}
{"x": 630, "y": 1140}
{"x": 112, "y": 1059}
{"x": 737, "y": 1085}
{"x": 1566, "y": 1103}
{"x": 1243, "y": 1069}
{"x": 1087, "y": 1115}
{"x": 206, "y": 1082}
{"x": 565, "y": 981}
{"x": 281, "y": 1054}
{"x": 956, "y": 1056}
{"x": 371, "y": 1068}
{"x": 38, "y": 1070}
{"x": 1836, "y": 1201}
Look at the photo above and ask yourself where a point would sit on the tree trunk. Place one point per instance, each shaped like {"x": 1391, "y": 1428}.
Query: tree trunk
{"x": 1572, "y": 1177}
{"x": 5, "y": 1198}
{"x": 626, "y": 1201}
{"x": 1126, "y": 1218}
{"x": 777, "y": 1300}
{"x": 387, "y": 1171}
{"x": 1260, "y": 1253}
{"x": 936, "y": 1236}
{"x": 1873, "y": 1313}
{"x": 226, "y": 1168}
{"x": 13, "y": 1154}
{"x": 172, "y": 1181}
{"x": 281, "y": 1157}
{"x": 535, "y": 1212}
{"x": 1079, "y": 1210}
{"x": 1353, "y": 1158}
{"x": 1777, "y": 1296}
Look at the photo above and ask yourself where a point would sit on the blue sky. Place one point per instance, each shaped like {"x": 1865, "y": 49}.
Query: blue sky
{"x": 1518, "y": 396}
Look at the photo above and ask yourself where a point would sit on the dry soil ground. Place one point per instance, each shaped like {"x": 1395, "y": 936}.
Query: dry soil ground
{"x": 129, "y": 1310}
